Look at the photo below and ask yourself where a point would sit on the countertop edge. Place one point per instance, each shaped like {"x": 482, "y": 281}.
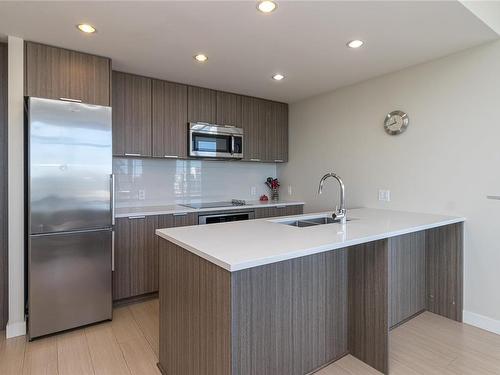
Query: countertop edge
{"x": 307, "y": 251}
{"x": 187, "y": 210}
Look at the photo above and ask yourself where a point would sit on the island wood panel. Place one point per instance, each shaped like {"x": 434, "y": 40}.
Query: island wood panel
{"x": 202, "y": 105}
{"x": 229, "y": 109}
{"x": 195, "y": 314}
{"x": 262, "y": 325}
{"x": 337, "y": 307}
{"x": 444, "y": 270}
{"x": 290, "y": 318}
{"x": 368, "y": 335}
{"x": 407, "y": 290}
{"x": 169, "y": 119}
{"x": 4, "y": 281}
{"x": 54, "y": 73}
{"x": 132, "y": 129}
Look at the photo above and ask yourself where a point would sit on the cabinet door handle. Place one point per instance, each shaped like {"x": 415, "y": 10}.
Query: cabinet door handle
{"x": 278, "y": 161}
{"x": 70, "y": 100}
{"x": 180, "y": 214}
{"x": 171, "y": 156}
{"x": 136, "y": 217}
{"x": 281, "y": 206}
{"x": 254, "y": 159}
{"x": 127, "y": 154}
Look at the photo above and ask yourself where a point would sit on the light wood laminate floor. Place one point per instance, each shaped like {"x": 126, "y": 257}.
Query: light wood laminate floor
{"x": 428, "y": 344}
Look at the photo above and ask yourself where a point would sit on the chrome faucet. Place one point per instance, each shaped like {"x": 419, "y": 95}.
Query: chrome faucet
{"x": 340, "y": 213}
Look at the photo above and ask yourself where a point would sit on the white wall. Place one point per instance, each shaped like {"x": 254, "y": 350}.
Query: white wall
{"x": 16, "y": 325}
{"x": 446, "y": 162}
{"x": 167, "y": 182}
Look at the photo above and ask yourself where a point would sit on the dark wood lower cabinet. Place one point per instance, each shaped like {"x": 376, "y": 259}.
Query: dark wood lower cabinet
{"x": 136, "y": 252}
{"x": 281, "y": 210}
{"x": 135, "y": 257}
{"x": 136, "y": 248}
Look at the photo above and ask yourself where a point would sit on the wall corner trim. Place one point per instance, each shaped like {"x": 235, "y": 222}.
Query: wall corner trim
{"x": 481, "y": 321}
{"x": 16, "y": 324}
{"x": 15, "y": 329}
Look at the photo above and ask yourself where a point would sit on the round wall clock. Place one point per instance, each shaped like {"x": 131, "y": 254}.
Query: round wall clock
{"x": 396, "y": 122}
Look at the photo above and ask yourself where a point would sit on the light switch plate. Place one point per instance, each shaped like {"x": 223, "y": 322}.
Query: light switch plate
{"x": 384, "y": 195}
{"x": 253, "y": 191}
{"x": 289, "y": 189}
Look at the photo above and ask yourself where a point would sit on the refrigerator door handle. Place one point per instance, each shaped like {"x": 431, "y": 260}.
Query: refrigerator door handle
{"x": 112, "y": 251}
{"x": 112, "y": 193}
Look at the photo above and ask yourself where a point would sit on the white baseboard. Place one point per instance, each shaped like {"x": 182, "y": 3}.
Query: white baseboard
{"x": 15, "y": 329}
{"x": 482, "y": 321}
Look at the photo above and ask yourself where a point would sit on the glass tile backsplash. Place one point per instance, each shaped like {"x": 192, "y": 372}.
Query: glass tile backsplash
{"x": 151, "y": 182}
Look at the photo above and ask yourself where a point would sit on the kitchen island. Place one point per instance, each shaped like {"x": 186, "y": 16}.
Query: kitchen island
{"x": 266, "y": 297}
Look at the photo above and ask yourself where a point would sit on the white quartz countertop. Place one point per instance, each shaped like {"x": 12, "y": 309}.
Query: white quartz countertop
{"x": 240, "y": 245}
{"x": 178, "y": 209}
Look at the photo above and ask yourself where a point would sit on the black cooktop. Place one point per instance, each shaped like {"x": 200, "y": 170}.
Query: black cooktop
{"x": 234, "y": 202}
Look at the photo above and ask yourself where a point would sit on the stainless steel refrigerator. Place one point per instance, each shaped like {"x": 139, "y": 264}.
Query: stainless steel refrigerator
{"x": 69, "y": 214}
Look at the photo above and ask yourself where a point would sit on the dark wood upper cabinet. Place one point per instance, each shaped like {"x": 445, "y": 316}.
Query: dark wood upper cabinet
{"x": 276, "y": 125}
{"x": 229, "y": 109}
{"x": 202, "y": 105}
{"x": 132, "y": 130}
{"x": 266, "y": 130}
{"x": 55, "y": 73}
{"x": 169, "y": 119}
{"x": 89, "y": 78}
{"x": 254, "y": 136}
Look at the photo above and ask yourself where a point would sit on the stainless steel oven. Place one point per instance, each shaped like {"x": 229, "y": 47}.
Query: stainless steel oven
{"x": 224, "y": 217}
{"x": 215, "y": 141}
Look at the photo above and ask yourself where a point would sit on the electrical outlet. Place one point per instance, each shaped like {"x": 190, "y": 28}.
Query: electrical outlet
{"x": 289, "y": 189}
{"x": 142, "y": 195}
{"x": 253, "y": 191}
{"x": 384, "y": 195}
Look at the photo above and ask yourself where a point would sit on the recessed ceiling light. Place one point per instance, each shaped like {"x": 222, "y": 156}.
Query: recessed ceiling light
{"x": 86, "y": 28}
{"x": 201, "y": 57}
{"x": 355, "y": 43}
{"x": 266, "y": 6}
{"x": 278, "y": 77}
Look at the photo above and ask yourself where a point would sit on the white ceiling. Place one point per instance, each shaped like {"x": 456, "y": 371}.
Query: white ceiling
{"x": 305, "y": 40}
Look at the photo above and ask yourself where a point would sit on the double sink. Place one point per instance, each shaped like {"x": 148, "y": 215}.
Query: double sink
{"x": 308, "y": 221}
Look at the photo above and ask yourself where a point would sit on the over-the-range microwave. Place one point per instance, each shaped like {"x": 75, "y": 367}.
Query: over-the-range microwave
{"x": 215, "y": 141}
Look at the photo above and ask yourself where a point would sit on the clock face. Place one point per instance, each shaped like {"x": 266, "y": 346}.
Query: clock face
{"x": 396, "y": 122}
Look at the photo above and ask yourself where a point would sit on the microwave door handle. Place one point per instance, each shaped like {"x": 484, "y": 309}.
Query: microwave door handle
{"x": 232, "y": 145}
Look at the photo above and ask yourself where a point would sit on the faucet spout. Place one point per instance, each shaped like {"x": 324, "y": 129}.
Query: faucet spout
{"x": 340, "y": 213}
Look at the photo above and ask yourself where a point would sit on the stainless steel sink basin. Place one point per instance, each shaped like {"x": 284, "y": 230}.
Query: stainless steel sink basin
{"x": 309, "y": 221}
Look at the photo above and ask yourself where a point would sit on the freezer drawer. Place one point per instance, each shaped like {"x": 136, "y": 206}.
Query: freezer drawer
{"x": 69, "y": 280}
